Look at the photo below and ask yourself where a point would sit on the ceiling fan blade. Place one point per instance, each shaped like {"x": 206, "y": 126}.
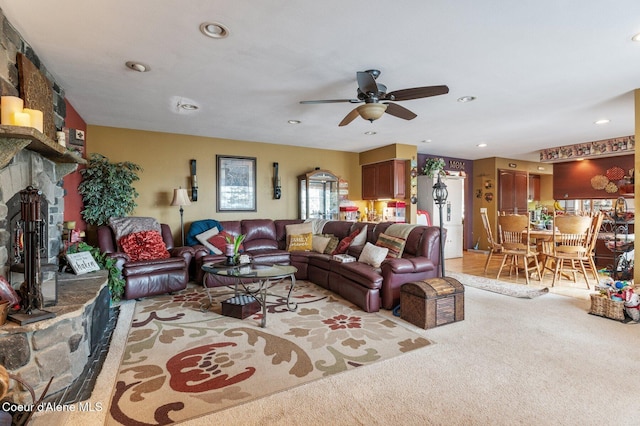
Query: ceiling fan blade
{"x": 349, "y": 117}
{"x": 416, "y": 93}
{"x": 366, "y": 82}
{"x": 399, "y": 111}
{"x": 331, "y": 101}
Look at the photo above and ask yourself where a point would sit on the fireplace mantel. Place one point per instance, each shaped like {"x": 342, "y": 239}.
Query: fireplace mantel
{"x": 15, "y": 138}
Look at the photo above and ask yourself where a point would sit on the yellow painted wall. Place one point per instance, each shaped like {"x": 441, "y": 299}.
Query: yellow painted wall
{"x": 165, "y": 158}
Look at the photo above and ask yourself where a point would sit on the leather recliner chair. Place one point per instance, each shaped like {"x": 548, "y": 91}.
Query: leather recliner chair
{"x": 149, "y": 277}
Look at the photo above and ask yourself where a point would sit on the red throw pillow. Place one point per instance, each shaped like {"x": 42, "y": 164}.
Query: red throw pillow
{"x": 144, "y": 245}
{"x": 343, "y": 245}
{"x": 219, "y": 241}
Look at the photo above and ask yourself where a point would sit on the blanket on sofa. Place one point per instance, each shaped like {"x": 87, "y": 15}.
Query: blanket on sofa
{"x": 198, "y": 227}
{"x": 399, "y": 230}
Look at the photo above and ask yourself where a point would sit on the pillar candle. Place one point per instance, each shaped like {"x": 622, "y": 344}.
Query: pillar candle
{"x": 9, "y": 105}
{"x": 21, "y": 119}
{"x": 36, "y": 118}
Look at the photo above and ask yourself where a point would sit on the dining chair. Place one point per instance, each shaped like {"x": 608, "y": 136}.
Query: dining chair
{"x": 516, "y": 243}
{"x": 596, "y": 224}
{"x": 569, "y": 250}
{"x": 495, "y": 248}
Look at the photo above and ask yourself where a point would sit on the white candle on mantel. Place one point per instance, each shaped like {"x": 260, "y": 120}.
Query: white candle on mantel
{"x": 36, "y": 118}
{"x": 21, "y": 119}
{"x": 9, "y": 105}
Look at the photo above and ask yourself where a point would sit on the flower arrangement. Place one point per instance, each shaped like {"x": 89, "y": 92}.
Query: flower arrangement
{"x": 233, "y": 248}
{"x": 433, "y": 167}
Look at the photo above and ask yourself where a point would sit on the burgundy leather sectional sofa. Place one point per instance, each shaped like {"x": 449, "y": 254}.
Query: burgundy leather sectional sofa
{"x": 368, "y": 287}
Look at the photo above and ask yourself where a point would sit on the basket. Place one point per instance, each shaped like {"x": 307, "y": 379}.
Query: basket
{"x": 605, "y": 307}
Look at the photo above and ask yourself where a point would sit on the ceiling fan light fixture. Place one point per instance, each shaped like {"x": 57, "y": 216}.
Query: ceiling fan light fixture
{"x": 636, "y": 37}
{"x": 371, "y": 111}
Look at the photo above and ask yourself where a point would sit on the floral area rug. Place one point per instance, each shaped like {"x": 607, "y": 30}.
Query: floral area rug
{"x": 508, "y": 289}
{"x": 180, "y": 363}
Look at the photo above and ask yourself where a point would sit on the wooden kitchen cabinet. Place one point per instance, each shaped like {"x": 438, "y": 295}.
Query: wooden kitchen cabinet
{"x": 384, "y": 180}
{"x": 513, "y": 187}
{"x": 534, "y": 187}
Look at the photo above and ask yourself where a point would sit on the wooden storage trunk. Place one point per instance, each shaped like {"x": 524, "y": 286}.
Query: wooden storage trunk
{"x": 240, "y": 306}
{"x": 432, "y": 302}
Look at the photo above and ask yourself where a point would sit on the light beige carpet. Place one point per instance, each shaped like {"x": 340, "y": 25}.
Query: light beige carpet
{"x": 501, "y": 287}
{"x": 542, "y": 361}
{"x": 181, "y": 363}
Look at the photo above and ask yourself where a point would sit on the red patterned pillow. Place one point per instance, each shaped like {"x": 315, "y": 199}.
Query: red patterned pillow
{"x": 144, "y": 245}
{"x": 219, "y": 241}
{"x": 344, "y": 244}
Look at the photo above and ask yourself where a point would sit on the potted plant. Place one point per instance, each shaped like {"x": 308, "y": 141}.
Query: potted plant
{"x": 434, "y": 167}
{"x": 115, "y": 281}
{"x": 232, "y": 249}
{"x": 107, "y": 189}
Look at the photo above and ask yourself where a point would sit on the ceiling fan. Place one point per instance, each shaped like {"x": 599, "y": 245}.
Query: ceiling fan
{"x": 376, "y": 99}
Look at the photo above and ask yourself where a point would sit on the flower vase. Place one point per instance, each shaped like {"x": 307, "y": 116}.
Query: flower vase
{"x": 231, "y": 255}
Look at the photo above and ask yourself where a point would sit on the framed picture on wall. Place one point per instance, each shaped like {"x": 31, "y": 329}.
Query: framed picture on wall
{"x": 236, "y": 184}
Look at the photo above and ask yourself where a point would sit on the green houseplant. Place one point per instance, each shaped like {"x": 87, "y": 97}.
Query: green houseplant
{"x": 115, "y": 281}
{"x": 433, "y": 167}
{"x": 107, "y": 189}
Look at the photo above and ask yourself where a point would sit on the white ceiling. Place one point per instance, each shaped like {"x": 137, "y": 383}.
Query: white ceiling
{"x": 542, "y": 71}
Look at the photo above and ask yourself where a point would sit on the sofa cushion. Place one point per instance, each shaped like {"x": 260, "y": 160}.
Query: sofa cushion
{"x": 144, "y": 245}
{"x": 373, "y": 255}
{"x": 395, "y": 245}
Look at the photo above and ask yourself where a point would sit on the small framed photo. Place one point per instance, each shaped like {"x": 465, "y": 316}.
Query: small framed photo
{"x": 236, "y": 186}
{"x": 82, "y": 262}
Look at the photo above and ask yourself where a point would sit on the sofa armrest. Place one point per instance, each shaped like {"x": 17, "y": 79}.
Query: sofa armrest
{"x": 120, "y": 257}
{"x": 407, "y": 265}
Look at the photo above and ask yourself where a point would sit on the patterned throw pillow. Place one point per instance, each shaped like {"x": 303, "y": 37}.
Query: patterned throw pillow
{"x": 394, "y": 244}
{"x": 333, "y": 243}
{"x": 373, "y": 255}
{"x": 300, "y": 242}
{"x": 144, "y": 245}
{"x": 123, "y": 226}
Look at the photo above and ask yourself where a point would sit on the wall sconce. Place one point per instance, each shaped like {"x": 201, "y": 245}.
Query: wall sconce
{"x": 194, "y": 182}
{"x": 277, "y": 191}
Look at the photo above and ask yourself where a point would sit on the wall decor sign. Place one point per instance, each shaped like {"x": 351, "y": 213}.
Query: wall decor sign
{"x": 605, "y": 147}
{"x": 236, "y": 184}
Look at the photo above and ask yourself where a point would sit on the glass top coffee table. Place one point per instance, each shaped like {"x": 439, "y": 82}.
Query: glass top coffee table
{"x": 253, "y": 280}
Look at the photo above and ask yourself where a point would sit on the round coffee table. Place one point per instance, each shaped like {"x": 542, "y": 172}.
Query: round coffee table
{"x": 253, "y": 280}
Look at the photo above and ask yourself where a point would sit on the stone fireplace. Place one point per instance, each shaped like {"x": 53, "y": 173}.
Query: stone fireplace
{"x": 56, "y": 347}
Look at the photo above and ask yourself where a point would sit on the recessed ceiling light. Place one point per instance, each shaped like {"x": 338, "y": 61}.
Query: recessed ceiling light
{"x": 466, "y": 99}
{"x": 603, "y": 121}
{"x": 188, "y": 107}
{"x": 425, "y": 141}
{"x": 481, "y": 145}
{"x": 137, "y": 66}
{"x": 214, "y": 30}
{"x": 636, "y": 37}
{"x": 294, "y": 121}
{"x": 540, "y": 168}
{"x": 370, "y": 133}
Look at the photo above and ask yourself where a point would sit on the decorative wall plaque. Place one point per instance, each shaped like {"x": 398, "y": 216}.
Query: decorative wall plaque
{"x": 37, "y": 93}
